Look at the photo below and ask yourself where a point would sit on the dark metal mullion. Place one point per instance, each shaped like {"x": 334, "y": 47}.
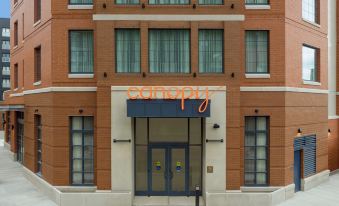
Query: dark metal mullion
{"x": 187, "y": 158}
{"x": 255, "y": 152}
{"x": 82, "y": 151}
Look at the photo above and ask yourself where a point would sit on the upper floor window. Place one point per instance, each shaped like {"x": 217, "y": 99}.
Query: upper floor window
{"x": 82, "y": 153}
{"x": 127, "y": 44}
{"x": 80, "y": 2}
{"x": 211, "y": 2}
{"x": 211, "y": 51}
{"x": 37, "y": 64}
{"x": 37, "y": 10}
{"x": 257, "y": 2}
{"x": 310, "y": 64}
{"x": 169, "y": 51}
{"x": 16, "y": 76}
{"x": 6, "y": 32}
{"x": 256, "y": 151}
{"x": 310, "y": 10}
{"x": 16, "y": 33}
{"x": 5, "y": 45}
{"x": 6, "y": 71}
{"x": 127, "y": 1}
{"x": 81, "y": 52}
{"x": 169, "y": 2}
{"x": 6, "y": 58}
{"x": 257, "y": 52}
{"x": 6, "y": 83}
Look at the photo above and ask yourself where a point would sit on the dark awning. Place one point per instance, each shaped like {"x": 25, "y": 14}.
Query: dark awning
{"x": 5, "y": 108}
{"x": 166, "y": 108}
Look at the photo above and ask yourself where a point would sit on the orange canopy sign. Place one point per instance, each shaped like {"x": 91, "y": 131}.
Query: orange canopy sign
{"x": 158, "y": 92}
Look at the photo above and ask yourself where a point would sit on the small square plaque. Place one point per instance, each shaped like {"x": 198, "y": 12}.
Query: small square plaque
{"x": 209, "y": 169}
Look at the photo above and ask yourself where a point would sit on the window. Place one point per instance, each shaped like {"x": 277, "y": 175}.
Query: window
{"x": 6, "y": 58}
{"x": 81, "y": 52}
{"x": 257, "y": 51}
{"x": 37, "y": 64}
{"x": 169, "y": 2}
{"x": 310, "y": 64}
{"x": 16, "y": 76}
{"x": 6, "y": 71}
{"x": 37, "y": 10}
{"x": 310, "y": 10}
{"x": 5, "y": 45}
{"x": 82, "y": 169}
{"x": 15, "y": 1}
{"x": 6, "y": 83}
{"x": 257, "y": 2}
{"x": 127, "y": 1}
{"x": 256, "y": 151}
{"x": 6, "y": 32}
{"x": 16, "y": 33}
{"x": 81, "y": 2}
{"x": 127, "y": 50}
{"x": 38, "y": 130}
{"x": 169, "y": 51}
{"x": 211, "y": 51}
{"x": 211, "y": 2}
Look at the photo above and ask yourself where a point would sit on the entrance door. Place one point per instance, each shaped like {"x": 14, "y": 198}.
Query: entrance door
{"x": 168, "y": 174}
{"x": 297, "y": 170}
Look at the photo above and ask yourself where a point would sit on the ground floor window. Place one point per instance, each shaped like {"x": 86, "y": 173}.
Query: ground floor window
{"x": 168, "y": 156}
{"x": 37, "y": 125}
{"x": 82, "y": 166}
{"x": 256, "y": 151}
{"x": 20, "y": 136}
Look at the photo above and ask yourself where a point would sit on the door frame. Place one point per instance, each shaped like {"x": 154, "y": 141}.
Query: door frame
{"x": 168, "y": 158}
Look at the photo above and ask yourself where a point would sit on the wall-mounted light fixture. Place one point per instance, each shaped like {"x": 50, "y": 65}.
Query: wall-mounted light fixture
{"x": 194, "y": 6}
{"x": 232, "y": 6}
{"x": 216, "y": 126}
{"x": 81, "y": 111}
{"x": 256, "y": 111}
{"x": 104, "y": 5}
{"x": 299, "y": 131}
{"x": 329, "y": 130}
{"x": 105, "y": 74}
{"x": 143, "y": 74}
{"x": 143, "y": 5}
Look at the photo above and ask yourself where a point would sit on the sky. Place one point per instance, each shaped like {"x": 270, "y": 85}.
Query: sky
{"x": 4, "y": 8}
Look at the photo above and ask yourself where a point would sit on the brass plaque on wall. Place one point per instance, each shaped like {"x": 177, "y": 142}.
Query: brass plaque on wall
{"x": 209, "y": 169}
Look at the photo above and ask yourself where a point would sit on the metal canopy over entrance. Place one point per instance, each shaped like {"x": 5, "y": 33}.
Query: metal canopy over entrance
{"x": 168, "y": 156}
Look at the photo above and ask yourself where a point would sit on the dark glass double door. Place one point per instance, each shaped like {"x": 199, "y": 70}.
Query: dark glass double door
{"x": 168, "y": 170}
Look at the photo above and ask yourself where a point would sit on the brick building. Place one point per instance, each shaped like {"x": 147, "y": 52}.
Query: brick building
{"x": 138, "y": 102}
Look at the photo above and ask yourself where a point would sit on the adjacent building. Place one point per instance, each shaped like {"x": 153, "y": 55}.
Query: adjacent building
{"x": 5, "y": 56}
{"x": 148, "y": 102}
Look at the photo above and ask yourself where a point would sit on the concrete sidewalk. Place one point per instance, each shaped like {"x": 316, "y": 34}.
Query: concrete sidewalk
{"x": 15, "y": 189}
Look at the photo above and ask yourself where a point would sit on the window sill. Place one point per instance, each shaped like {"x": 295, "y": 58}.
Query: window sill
{"x": 258, "y": 76}
{"x": 312, "y": 83}
{"x": 258, "y": 7}
{"x": 80, "y": 7}
{"x": 80, "y": 76}
{"x": 312, "y": 23}
{"x": 36, "y": 23}
{"x": 37, "y": 83}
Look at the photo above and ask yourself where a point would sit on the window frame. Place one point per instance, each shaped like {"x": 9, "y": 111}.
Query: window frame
{"x": 8, "y": 44}
{"x": 70, "y": 51}
{"x": 316, "y": 13}
{"x": 16, "y": 33}
{"x": 190, "y": 53}
{"x": 4, "y": 31}
{"x": 268, "y": 53}
{"x": 83, "y": 131}
{"x": 223, "y": 53}
{"x": 37, "y": 64}
{"x": 38, "y": 139}
{"x": 70, "y": 3}
{"x": 16, "y": 76}
{"x": 37, "y": 10}
{"x": 267, "y": 131}
{"x": 115, "y": 2}
{"x": 189, "y": 3}
{"x": 222, "y": 3}
{"x": 316, "y": 62}
{"x": 116, "y": 53}
{"x": 256, "y": 3}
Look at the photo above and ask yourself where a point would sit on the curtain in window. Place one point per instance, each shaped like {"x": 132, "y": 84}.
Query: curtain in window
{"x": 211, "y": 1}
{"x": 211, "y": 51}
{"x": 81, "y": 51}
{"x": 81, "y": 2}
{"x": 169, "y": 1}
{"x": 169, "y": 51}
{"x": 256, "y": 51}
{"x": 127, "y": 50}
{"x": 127, "y": 1}
{"x": 256, "y": 1}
